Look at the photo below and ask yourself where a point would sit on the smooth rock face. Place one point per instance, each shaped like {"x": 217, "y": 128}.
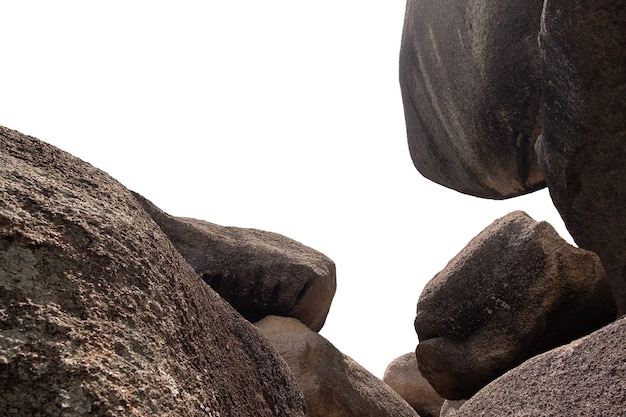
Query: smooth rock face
{"x": 584, "y": 378}
{"x": 469, "y": 73}
{"x": 332, "y": 383}
{"x": 259, "y": 273}
{"x": 404, "y": 376}
{"x": 101, "y": 316}
{"x": 516, "y": 290}
{"x": 582, "y": 150}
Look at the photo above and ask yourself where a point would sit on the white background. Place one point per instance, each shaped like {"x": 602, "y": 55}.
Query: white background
{"x": 282, "y": 115}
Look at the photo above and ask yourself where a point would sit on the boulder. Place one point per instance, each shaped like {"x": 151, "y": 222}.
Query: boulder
{"x": 581, "y": 379}
{"x": 332, "y": 383}
{"x": 469, "y": 74}
{"x": 404, "y": 376}
{"x": 259, "y": 273}
{"x": 101, "y": 316}
{"x": 516, "y": 290}
{"x": 582, "y": 150}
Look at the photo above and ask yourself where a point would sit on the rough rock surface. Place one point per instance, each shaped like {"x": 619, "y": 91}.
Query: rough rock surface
{"x": 404, "y": 376}
{"x": 582, "y": 150}
{"x": 516, "y": 290}
{"x": 469, "y": 72}
{"x": 101, "y": 316}
{"x": 259, "y": 273}
{"x": 332, "y": 383}
{"x": 584, "y": 378}
{"x": 451, "y": 407}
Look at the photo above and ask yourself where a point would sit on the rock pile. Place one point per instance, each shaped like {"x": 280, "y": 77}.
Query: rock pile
{"x": 105, "y": 308}
{"x": 259, "y": 273}
{"x": 516, "y": 290}
{"x": 332, "y": 383}
{"x": 101, "y": 316}
{"x": 111, "y": 307}
{"x": 481, "y": 84}
{"x": 583, "y": 143}
{"x": 583, "y": 378}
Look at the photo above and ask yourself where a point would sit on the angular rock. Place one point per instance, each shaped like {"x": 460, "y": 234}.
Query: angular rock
{"x": 516, "y": 290}
{"x": 404, "y": 376}
{"x": 101, "y": 316}
{"x": 451, "y": 407}
{"x": 582, "y": 150}
{"x": 332, "y": 383}
{"x": 581, "y": 379}
{"x": 469, "y": 73}
{"x": 259, "y": 273}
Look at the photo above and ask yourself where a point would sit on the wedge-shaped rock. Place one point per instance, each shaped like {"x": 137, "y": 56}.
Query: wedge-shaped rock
{"x": 516, "y": 290}
{"x": 450, "y": 408}
{"x": 582, "y": 150}
{"x": 469, "y": 72}
{"x": 332, "y": 383}
{"x": 581, "y": 379}
{"x": 259, "y": 273}
{"x": 101, "y": 316}
{"x": 404, "y": 376}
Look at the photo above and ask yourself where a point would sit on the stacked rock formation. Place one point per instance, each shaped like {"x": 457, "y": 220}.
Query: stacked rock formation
{"x": 582, "y": 148}
{"x": 111, "y": 307}
{"x": 332, "y": 383}
{"x": 584, "y": 378}
{"x": 287, "y": 289}
{"x": 259, "y": 273}
{"x": 481, "y": 83}
{"x": 516, "y": 290}
{"x": 101, "y": 316}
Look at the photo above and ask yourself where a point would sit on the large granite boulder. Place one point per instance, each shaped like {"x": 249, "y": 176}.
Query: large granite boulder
{"x": 259, "y": 273}
{"x": 584, "y": 378}
{"x": 332, "y": 383}
{"x": 516, "y": 290}
{"x": 582, "y": 150}
{"x": 404, "y": 376}
{"x": 469, "y": 73}
{"x": 101, "y": 316}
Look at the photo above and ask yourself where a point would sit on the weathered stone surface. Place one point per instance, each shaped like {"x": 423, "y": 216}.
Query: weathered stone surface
{"x": 450, "y": 408}
{"x": 584, "y": 378}
{"x": 332, "y": 383}
{"x": 404, "y": 376}
{"x": 101, "y": 316}
{"x": 469, "y": 72}
{"x": 582, "y": 150}
{"x": 516, "y": 290}
{"x": 259, "y": 273}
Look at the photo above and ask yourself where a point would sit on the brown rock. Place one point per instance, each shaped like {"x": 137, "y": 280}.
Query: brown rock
{"x": 469, "y": 73}
{"x": 584, "y": 378}
{"x": 517, "y": 289}
{"x": 404, "y": 376}
{"x": 332, "y": 383}
{"x": 582, "y": 151}
{"x": 451, "y": 407}
{"x": 101, "y": 316}
{"x": 259, "y": 273}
